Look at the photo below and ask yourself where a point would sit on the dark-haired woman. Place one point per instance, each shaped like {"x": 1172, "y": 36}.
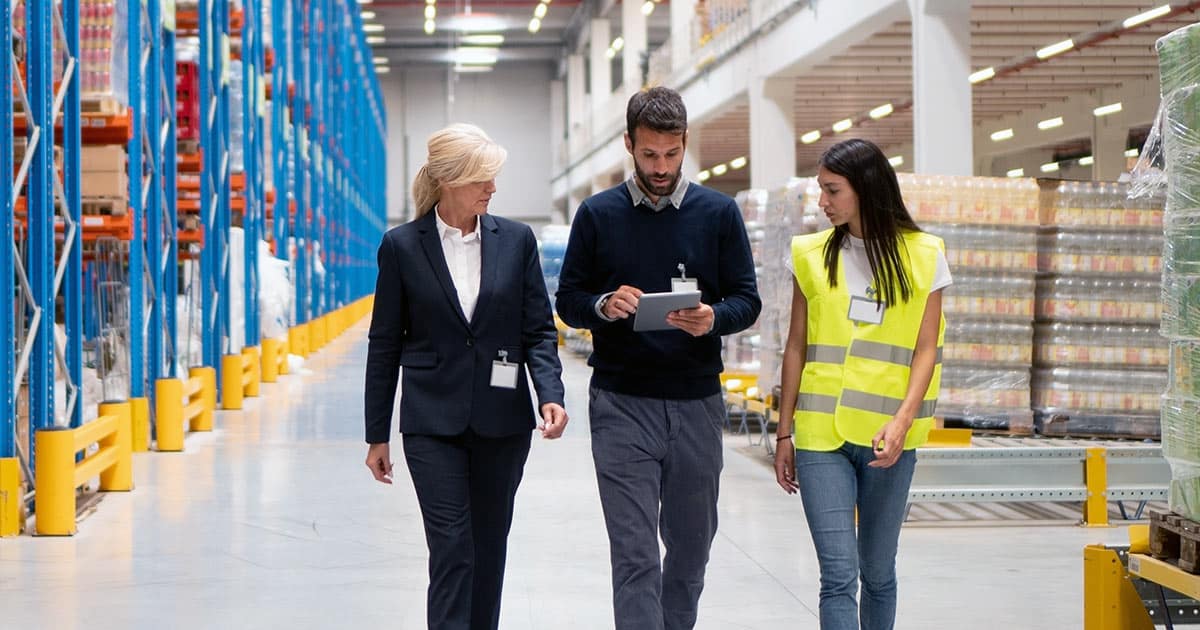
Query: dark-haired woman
{"x": 860, "y": 378}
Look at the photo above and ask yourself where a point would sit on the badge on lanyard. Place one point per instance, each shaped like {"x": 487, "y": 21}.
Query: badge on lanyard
{"x": 683, "y": 284}
{"x": 504, "y": 374}
{"x": 865, "y": 310}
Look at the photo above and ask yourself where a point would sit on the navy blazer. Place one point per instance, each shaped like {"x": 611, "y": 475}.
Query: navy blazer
{"x": 418, "y": 324}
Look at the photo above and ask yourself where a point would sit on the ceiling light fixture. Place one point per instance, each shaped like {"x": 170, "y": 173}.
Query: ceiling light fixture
{"x": 882, "y": 111}
{"x": 375, "y": 28}
{"x": 618, "y": 43}
{"x": 896, "y": 160}
{"x": 539, "y": 11}
{"x": 979, "y": 76}
{"x": 719, "y": 170}
{"x": 379, "y": 40}
{"x": 382, "y": 70}
{"x": 1107, "y": 109}
{"x": 430, "y": 27}
{"x": 737, "y": 162}
{"x": 475, "y": 55}
{"x": 367, "y": 15}
{"x": 703, "y": 176}
{"x": 610, "y": 53}
{"x": 1132, "y": 152}
{"x": 471, "y": 68}
{"x": 379, "y": 60}
{"x": 1050, "y": 123}
{"x": 1142, "y": 18}
{"x": 483, "y": 40}
{"x": 1055, "y": 49}
{"x": 1002, "y": 135}
{"x": 1016, "y": 172}
{"x": 842, "y": 125}
{"x": 364, "y": 1}
{"x": 430, "y": 11}
{"x": 1087, "y": 160}
{"x": 1050, "y": 167}
{"x": 647, "y": 8}
{"x": 811, "y": 137}
{"x": 535, "y": 25}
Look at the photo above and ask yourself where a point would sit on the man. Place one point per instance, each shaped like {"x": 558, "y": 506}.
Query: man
{"x": 655, "y": 401}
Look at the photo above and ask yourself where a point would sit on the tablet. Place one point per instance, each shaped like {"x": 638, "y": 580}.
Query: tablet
{"x": 653, "y": 308}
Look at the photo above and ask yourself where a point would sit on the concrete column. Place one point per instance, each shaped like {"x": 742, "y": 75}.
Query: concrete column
{"x": 558, "y": 125}
{"x": 942, "y": 125}
{"x": 1109, "y": 134}
{"x": 633, "y": 30}
{"x": 576, "y": 104}
{"x": 772, "y": 131}
{"x": 682, "y": 13}
{"x": 601, "y": 66}
{"x": 691, "y": 157}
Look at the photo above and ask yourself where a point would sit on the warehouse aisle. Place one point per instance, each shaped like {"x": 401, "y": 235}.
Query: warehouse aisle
{"x": 273, "y": 522}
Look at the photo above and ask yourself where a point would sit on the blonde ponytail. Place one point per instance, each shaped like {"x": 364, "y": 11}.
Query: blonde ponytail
{"x": 425, "y": 191}
{"x": 459, "y": 154}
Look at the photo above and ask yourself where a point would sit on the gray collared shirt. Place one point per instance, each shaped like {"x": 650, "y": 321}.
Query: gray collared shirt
{"x": 639, "y": 197}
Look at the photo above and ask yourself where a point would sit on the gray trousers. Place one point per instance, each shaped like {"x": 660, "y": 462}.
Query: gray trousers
{"x": 658, "y": 464}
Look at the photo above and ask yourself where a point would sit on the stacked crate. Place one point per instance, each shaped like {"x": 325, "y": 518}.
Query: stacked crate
{"x": 1179, "y": 63}
{"x": 989, "y": 228}
{"x": 1100, "y": 364}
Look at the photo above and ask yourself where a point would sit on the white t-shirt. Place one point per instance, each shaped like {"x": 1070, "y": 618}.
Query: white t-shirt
{"x": 858, "y": 269}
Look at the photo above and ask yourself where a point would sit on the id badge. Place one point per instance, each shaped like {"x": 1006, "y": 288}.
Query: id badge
{"x": 683, "y": 284}
{"x": 865, "y": 311}
{"x": 504, "y": 374}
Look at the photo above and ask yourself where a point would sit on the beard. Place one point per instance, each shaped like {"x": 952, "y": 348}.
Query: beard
{"x": 648, "y": 184}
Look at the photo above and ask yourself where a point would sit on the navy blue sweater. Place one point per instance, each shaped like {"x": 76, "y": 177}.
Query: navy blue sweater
{"x": 613, "y": 243}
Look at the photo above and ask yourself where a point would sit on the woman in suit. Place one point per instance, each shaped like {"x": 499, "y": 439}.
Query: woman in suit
{"x": 461, "y": 305}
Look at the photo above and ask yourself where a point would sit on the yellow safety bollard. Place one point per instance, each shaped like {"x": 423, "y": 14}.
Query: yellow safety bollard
{"x": 54, "y": 502}
{"x": 253, "y": 364}
{"x": 1095, "y": 509}
{"x": 204, "y": 421}
{"x": 270, "y": 360}
{"x": 168, "y": 414}
{"x": 119, "y": 477}
{"x": 232, "y": 390}
{"x": 316, "y": 334}
{"x": 285, "y": 349}
{"x": 141, "y": 424}
{"x": 297, "y": 339}
{"x": 12, "y": 504}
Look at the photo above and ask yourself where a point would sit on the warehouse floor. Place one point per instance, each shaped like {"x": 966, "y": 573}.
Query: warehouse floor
{"x": 273, "y": 521}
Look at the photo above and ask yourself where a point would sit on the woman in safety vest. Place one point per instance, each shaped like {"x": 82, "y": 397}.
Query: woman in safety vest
{"x": 860, "y": 378}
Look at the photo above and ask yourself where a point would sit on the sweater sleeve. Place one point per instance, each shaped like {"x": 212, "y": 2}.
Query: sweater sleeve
{"x": 577, "y": 294}
{"x": 740, "y": 304}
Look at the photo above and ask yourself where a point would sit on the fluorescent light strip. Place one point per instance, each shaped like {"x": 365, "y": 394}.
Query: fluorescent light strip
{"x": 1056, "y": 49}
{"x": 1003, "y": 134}
{"x": 979, "y": 76}
{"x": 1087, "y": 160}
{"x": 896, "y": 160}
{"x": 810, "y": 137}
{"x": 1132, "y": 152}
{"x": 719, "y": 170}
{"x": 539, "y": 11}
{"x": 1050, "y": 123}
{"x": 703, "y": 176}
{"x": 430, "y": 27}
{"x": 380, "y": 40}
{"x": 483, "y": 40}
{"x": 882, "y": 111}
{"x": 376, "y": 28}
{"x": 379, "y": 60}
{"x": 1107, "y": 109}
{"x": 842, "y": 125}
{"x": 535, "y": 25}
{"x": 1142, "y": 18}
{"x": 367, "y": 15}
{"x": 737, "y": 163}
{"x": 618, "y": 43}
{"x": 647, "y": 8}
{"x": 1050, "y": 167}
{"x": 1016, "y": 172}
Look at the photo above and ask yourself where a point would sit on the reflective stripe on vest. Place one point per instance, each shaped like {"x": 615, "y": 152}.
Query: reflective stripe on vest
{"x": 826, "y": 354}
{"x": 816, "y": 403}
{"x": 885, "y": 405}
{"x": 864, "y": 349}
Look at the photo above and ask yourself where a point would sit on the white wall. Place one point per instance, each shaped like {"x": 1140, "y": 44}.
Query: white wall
{"x": 511, "y": 103}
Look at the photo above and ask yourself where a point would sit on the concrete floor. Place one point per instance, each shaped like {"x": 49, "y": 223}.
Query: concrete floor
{"x": 273, "y": 521}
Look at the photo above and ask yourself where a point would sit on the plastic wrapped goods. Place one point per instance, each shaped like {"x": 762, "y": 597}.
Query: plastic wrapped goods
{"x": 994, "y": 342}
{"x": 1100, "y": 252}
{"x": 1181, "y": 306}
{"x": 1091, "y": 391}
{"x": 1098, "y": 345}
{"x": 1099, "y": 298}
{"x": 998, "y": 296}
{"x": 1185, "y": 370}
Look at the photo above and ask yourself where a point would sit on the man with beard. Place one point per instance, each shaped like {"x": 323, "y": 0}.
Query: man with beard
{"x": 655, "y": 404}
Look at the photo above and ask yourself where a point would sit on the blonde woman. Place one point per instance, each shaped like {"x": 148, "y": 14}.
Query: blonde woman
{"x": 461, "y": 305}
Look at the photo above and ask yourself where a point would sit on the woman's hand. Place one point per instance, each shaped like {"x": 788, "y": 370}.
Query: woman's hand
{"x": 554, "y": 421}
{"x": 379, "y": 460}
{"x": 888, "y": 443}
{"x": 785, "y": 466}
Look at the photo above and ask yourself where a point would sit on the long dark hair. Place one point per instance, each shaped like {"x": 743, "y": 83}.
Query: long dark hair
{"x": 881, "y": 212}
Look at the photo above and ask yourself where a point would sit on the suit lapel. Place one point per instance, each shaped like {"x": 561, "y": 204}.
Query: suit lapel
{"x": 432, "y": 244}
{"x": 492, "y": 245}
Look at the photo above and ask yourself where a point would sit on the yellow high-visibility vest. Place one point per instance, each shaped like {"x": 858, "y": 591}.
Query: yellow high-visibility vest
{"x": 856, "y": 375}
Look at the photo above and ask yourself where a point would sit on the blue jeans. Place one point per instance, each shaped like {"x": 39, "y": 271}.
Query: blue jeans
{"x": 832, "y": 485}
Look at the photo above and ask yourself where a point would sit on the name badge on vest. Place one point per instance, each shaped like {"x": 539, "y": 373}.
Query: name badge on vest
{"x": 865, "y": 310}
{"x": 504, "y": 374}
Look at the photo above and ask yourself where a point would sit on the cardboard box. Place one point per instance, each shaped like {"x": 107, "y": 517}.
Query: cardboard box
{"x": 108, "y": 158}
{"x": 104, "y": 184}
